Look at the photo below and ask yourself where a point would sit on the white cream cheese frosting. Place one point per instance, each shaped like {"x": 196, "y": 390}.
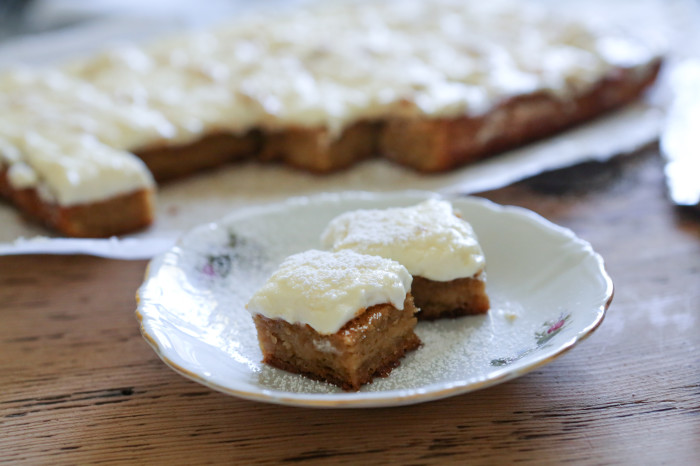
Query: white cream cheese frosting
{"x": 94, "y": 171}
{"x": 323, "y": 66}
{"x": 328, "y": 289}
{"x": 428, "y": 239}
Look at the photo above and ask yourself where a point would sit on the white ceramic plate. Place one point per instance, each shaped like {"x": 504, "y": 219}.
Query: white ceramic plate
{"x": 548, "y": 290}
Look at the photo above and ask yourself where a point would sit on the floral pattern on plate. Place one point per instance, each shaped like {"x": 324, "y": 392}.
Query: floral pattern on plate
{"x": 542, "y": 337}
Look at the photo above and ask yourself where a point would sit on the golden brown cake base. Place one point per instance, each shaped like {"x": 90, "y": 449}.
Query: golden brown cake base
{"x": 169, "y": 162}
{"x": 315, "y": 150}
{"x": 455, "y": 298}
{"x": 433, "y": 145}
{"x": 121, "y": 214}
{"x": 370, "y": 345}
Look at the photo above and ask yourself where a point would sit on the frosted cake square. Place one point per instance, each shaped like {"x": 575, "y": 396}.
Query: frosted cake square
{"x": 340, "y": 317}
{"x": 439, "y": 249}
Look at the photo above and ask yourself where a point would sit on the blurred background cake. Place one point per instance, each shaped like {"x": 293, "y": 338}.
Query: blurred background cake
{"x": 429, "y": 85}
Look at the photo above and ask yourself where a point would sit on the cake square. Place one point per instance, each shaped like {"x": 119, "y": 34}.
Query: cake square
{"x": 342, "y": 317}
{"x": 438, "y": 248}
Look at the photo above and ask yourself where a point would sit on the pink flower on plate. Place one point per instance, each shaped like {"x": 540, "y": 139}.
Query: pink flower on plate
{"x": 557, "y": 325}
{"x": 208, "y": 270}
{"x": 550, "y": 328}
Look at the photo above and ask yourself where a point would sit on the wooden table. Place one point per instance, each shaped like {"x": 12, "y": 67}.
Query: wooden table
{"x": 78, "y": 384}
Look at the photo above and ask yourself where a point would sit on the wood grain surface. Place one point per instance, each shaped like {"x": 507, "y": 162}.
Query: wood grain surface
{"x": 79, "y": 385}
